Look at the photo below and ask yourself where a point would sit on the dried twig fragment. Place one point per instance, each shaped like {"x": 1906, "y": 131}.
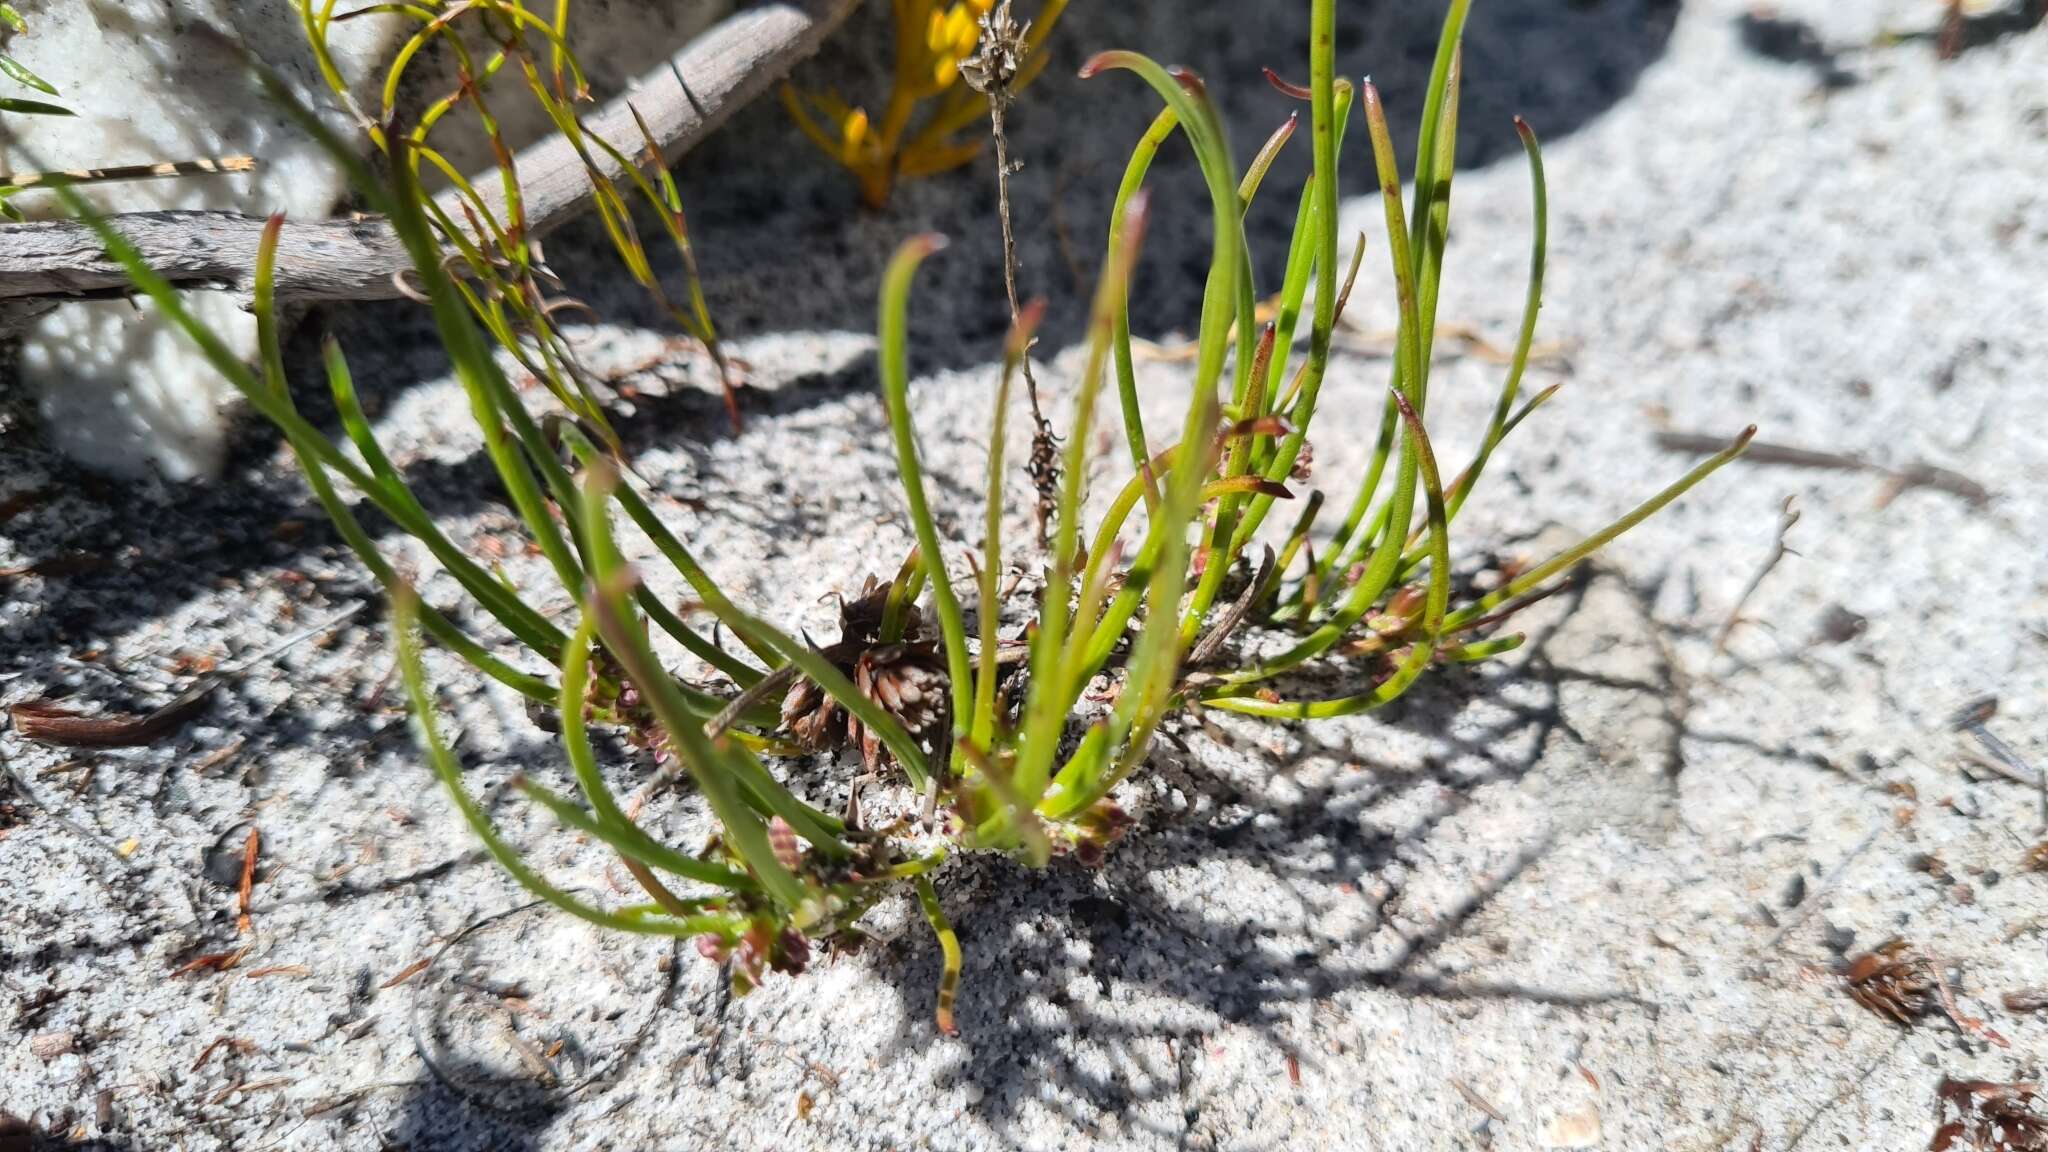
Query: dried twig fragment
{"x": 249, "y": 851}
{"x": 48, "y": 722}
{"x": 1787, "y": 517}
{"x": 1897, "y": 479}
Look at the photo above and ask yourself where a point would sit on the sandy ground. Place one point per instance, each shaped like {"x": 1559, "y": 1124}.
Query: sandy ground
{"x": 1592, "y": 896}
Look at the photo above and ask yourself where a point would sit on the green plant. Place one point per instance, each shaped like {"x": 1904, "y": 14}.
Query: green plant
{"x": 1028, "y": 789}
{"x": 16, "y": 71}
{"x": 934, "y": 43}
{"x": 601, "y": 670}
{"x": 13, "y": 24}
{"x": 1038, "y": 731}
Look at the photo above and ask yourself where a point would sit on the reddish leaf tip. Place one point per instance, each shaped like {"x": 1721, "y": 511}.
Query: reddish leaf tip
{"x": 1287, "y": 87}
{"x": 1098, "y": 64}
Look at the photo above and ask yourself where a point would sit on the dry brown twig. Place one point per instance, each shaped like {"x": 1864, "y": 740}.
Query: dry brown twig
{"x": 250, "y": 849}
{"x": 46, "y": 262}
{"x": 1357, "y": 338}
{"x": 47, "y": 721}
{"x": 991, "y": 71}
{"x": 1897, "y": 480}
{"x": 1787, "y": 517}
{"x": 1473, "y": 1098}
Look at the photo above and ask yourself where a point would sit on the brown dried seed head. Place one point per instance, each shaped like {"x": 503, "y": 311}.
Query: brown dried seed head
{"x": 906, "y": 679}
{"x": 807, "y": 713}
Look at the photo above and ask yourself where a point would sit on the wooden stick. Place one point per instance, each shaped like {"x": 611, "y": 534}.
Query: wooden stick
{"x": 222, "y": 166}
{"x": 683, "y": 100}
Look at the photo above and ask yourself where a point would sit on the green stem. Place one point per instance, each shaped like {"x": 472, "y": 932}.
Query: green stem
{"x": 1126, "y": 370}
{"x": 405, "y": 611}
{"x": 894, "y": 323}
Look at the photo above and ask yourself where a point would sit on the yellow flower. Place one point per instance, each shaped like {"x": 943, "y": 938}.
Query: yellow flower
{"x": 951, "y": 35}
{"x": 937, "y": 38}
{"x": 852, "y": 134}
{"x": 962, "y": 30}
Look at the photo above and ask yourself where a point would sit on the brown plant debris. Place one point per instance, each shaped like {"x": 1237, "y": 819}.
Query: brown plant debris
{"x": 408, "y": 972}
{"x": 48, "y": 722}
{"x": 244, "y": 1047}
{"x": 249, "y": 853}
{"x": 1893, "y": 981}
{"x": 905, "y": 678}
{"x": 1983, "y": 1116}
{"x": 12, "y": 811}
{"x": 211, "y": 962}
{"x": 1473, "y": 1098}
{"x": 1897, "y": 480}
{"x": 2023, "y": 1000}
{"x": 1898, "y": 982}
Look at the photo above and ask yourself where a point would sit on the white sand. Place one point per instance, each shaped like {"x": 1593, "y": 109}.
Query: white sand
{"x": 1600, "y": 886}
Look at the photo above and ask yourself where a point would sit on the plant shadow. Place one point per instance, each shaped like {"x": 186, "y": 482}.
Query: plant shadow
{"x": 1157, "y": 941}
{"x": 435, "y": 1116}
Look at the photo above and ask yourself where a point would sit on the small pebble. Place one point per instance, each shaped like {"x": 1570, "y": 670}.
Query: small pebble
{"x": 1838, "y": 625}
{"x": 1795, "y": 892}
